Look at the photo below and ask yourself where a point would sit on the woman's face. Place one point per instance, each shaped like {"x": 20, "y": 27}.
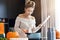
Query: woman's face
{"x": 29, "y": 11}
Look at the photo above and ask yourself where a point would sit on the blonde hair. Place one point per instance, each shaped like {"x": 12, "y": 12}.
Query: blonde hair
{"x": 30, "y": 4}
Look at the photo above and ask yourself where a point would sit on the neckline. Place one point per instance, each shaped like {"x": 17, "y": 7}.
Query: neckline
{"x": 25, "y": 18}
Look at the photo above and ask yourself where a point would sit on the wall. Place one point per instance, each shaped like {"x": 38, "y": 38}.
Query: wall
{"x": 3, "y": 10}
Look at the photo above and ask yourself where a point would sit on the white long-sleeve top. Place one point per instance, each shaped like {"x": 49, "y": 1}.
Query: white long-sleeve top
{"x": 28, "y": 24}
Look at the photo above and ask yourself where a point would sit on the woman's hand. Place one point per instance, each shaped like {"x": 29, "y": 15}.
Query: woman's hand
{"x": 25, "y": 31}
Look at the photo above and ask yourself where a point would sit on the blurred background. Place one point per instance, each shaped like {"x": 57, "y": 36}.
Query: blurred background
{"x": 9, "y": 9}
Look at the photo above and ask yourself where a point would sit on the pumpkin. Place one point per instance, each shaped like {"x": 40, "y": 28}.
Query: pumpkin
{"x": 12, "y": 35}
{"x": 57, "y": 34}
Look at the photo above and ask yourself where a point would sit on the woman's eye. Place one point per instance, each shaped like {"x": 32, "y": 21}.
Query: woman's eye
{"x": 29, "y": 10}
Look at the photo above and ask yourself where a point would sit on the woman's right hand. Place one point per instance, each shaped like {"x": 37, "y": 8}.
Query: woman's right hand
{"x": 25, "y": 31}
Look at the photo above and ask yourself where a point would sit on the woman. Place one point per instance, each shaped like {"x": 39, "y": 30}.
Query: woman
{"x": 25, "y": 23}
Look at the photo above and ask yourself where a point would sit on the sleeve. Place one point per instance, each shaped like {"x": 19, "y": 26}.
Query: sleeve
{"x": 35, "y": 29}
{"x": 17, "y": 29}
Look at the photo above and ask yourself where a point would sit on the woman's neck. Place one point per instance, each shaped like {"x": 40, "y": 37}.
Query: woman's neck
{"x": 26, "y": 16}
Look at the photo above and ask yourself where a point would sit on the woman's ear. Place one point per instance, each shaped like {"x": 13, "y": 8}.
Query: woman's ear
{"x": 24, "y": 9}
